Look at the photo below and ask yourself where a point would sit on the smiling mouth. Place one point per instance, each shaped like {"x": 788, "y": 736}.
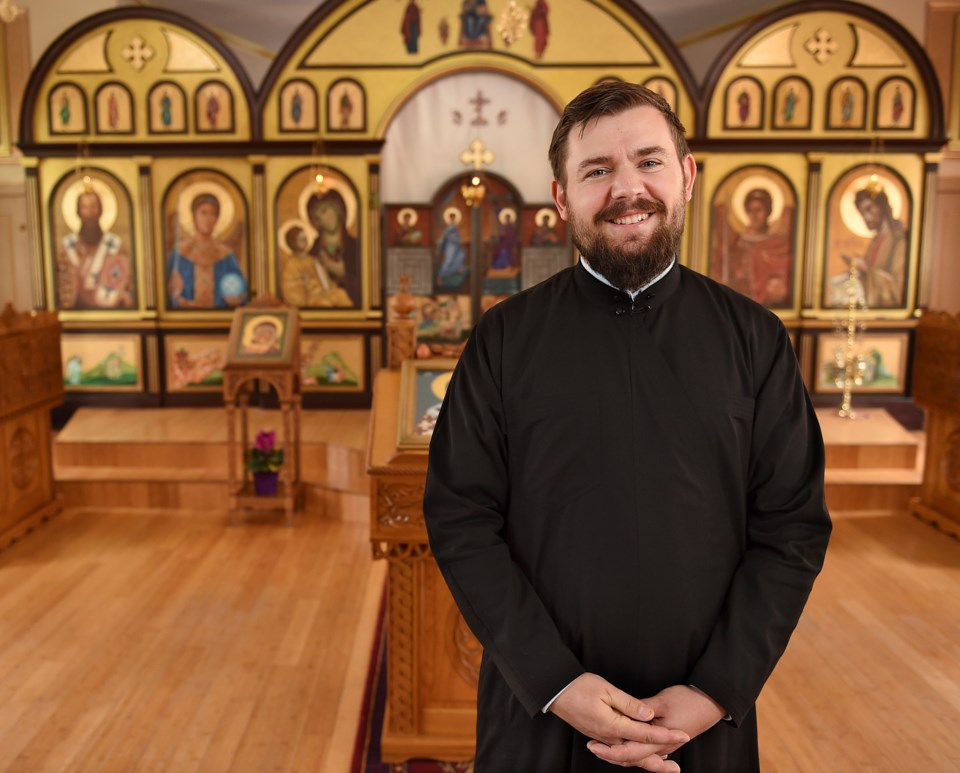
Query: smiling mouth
{"x": 631, "y": 219}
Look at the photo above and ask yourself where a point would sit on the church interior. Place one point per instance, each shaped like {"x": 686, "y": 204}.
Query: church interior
{"x": 242, "y": 248}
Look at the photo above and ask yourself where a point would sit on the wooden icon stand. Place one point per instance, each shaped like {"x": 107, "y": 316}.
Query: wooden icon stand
{"x": 264, "y": 348}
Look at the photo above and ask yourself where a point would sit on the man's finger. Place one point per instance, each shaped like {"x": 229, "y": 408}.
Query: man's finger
{"x": 630, "y": 706}
{"x": 633, "y": 755}
{"x": 642, "y": 732}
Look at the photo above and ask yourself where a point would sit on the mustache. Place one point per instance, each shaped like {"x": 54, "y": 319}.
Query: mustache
{"x": 622, "y": 207}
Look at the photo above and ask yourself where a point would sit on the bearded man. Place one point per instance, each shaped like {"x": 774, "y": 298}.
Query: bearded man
{"x": 625, "y": 491}
{"x": 93, "y": 267}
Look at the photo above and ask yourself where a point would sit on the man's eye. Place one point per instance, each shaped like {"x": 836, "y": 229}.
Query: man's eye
{"x": 650, "y": 163}
{"x": 597, "y": 173}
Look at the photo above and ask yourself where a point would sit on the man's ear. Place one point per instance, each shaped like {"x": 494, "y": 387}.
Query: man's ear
{"x": 690, "y": 174}
{"x": 559, "y": 198}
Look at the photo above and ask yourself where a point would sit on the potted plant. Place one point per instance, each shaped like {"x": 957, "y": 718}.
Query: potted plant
{"x": 265, "y": 460}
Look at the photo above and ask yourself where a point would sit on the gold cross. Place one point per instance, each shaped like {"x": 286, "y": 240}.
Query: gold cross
{"x": 477, "y": 156}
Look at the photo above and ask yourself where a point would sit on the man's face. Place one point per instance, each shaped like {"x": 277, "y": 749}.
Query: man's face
{"x": 89, "y": 209}
{"x": 625, "y": 194}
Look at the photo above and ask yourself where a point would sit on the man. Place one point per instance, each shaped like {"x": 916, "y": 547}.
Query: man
{"x": 625, "y": 492}
{"x": 93, "y": 267}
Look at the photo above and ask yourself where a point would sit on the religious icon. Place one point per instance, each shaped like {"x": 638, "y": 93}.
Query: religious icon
{"x": 91, "y": 216}
{"x": 545, "y": 234}
{"x": 540, "y": 27}
{"x": 305, "y": 280}
{"x": 744, "y": 104}
{"x": 102, "y": 363}
{"x": 167, "y": 105}
{"x": 867, "y": 210}
{"x": 504, "y": 252}
{"x": 298, "y": 106}
{"x": 847, "y": 105}
{"x": 195, "y": 363}
{"x": 410, "y": 27}
{"x": 792, "y": 104}
{"x": 451, "y": 255}
{"x": 475, "y": 20}
{"x": 205, "y": 243}
{"x": 114, "y": 109}
{"x": 895, "y": 104}
{"x": 214, "y": 108}
{"x": 67, "y": 111}
{"x": 753, "y": 236}
{"x": 346, "y": 106}
{"x": 262, "y": 336}
{"x": 443, "y": 30}
{"x": 332, "y": 363}
{"x": 408, "y": 235}
{"x": 317, "y": 246}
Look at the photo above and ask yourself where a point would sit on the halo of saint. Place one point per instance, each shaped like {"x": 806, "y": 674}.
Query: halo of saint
{"x": 850, "y": 213}
{"x": 185, "y": 207}
{"x": 739, "y": 219}
{"x": 85, "y": 184}
{"x": 329, "y": 181}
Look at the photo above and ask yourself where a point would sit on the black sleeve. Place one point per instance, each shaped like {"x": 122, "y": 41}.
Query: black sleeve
{"x": 787, "y": 533}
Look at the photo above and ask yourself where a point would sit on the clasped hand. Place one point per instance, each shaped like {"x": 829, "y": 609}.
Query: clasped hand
{"x": 630, "y": 732}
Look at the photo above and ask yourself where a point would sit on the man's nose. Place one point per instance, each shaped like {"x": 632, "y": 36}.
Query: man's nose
{"x": 627, "y": 183}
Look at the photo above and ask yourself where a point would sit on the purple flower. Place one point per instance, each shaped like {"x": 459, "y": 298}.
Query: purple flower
{"x": 265, "y": 441}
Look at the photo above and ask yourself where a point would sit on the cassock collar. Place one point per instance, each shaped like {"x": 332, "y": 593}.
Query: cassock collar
{"x": 618, "y": 301}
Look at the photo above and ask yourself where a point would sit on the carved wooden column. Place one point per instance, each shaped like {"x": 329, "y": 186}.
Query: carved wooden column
{"x": 936, "y": 386}
{"x": 31, "y": 383}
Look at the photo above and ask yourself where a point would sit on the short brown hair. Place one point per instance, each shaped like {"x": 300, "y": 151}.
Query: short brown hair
{"x": 604, "y": 99}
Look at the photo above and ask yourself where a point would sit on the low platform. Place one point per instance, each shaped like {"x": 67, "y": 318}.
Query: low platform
{"x": 873, "y": 463}
{"x": 177, "y": 458}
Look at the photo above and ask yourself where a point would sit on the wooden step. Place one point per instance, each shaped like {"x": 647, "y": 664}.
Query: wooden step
{"x": 323, "y": 464}
{"x": 873, "y": 463}
{"x": 200, "y": 496}
{"x": 874, "y": 440}
{"x": 177, "y": 458}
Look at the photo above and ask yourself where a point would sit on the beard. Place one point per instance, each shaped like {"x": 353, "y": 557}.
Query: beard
{"x": 90, "y": 232}
{"x": 630, "y": 265}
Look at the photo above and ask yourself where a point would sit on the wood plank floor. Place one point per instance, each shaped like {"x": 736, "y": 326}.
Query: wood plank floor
{"x": 152, "y": 640}
{"x": 161, "y": 641}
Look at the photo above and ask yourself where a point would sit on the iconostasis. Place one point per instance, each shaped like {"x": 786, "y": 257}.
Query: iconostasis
{"x": 396, "y": 139}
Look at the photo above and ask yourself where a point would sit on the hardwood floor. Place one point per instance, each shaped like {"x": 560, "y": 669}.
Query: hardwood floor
{"x": 165, "y": 641}
{"x": 151, "y": 640}
{"x": 871, "y": 679}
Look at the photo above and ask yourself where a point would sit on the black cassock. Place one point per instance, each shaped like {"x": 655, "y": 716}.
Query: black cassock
{"x": 631, "y": 489}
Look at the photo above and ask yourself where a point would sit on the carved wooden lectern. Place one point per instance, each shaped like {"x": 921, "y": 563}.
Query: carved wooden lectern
{"x": 433, "y": 661}
{"x": 936, "y": 386}
{"x": 31, "y": 383}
